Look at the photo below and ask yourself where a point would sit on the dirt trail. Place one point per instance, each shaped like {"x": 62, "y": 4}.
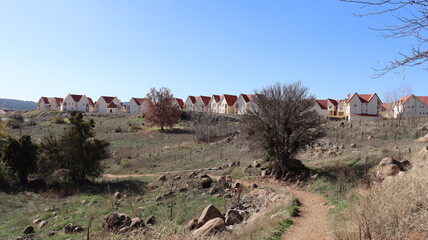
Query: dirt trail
{"x": 311, "y": 224}
{"x": 312, "y": 220}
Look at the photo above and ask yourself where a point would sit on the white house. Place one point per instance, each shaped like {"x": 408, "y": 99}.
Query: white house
{"x": 213, "y": 104}
{"x": 104, "y": 102}
{"x": 320, "y": 106}
{"x": 49, "y": 103}
{"x": 245, "y": 103}
{"x": 362, "y": 107}
{"x": 189, "y": 104}
{"x": 411, "y": 106}
{"x": 74, "y": 102}
{"x": 227, "y": 104}
{"x": 137, "y": 105}
{"x": 335, "y": 109}
{"x": 178, "y": 102}
{"x": 113, "y": 108}
{"x": 201, "y": 104}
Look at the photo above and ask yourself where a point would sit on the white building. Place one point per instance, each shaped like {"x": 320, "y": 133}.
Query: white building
{"x": 49, "y": 103}
{"x": 362, "y": 107}
{"x": 137, "y": 105}
{"x": 74, "y": 102}
{"x": 201, "y": 104}
{"x": 245, "y": 104}
{"x": 411, "y": 106}
{"x": 320, "y": 106}
{"x": 227, "y": 104}
{"x": 105, "y": 101}
{"x": 213, "y": 105}
{"x": 179, "y": 103}
{"x": 189, "y": 104}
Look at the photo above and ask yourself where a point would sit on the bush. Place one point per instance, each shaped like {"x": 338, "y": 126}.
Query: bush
{"x": 5, "y": 176}
{"x": 57, "y": 120}
{"x": 208, "y": 127}
{"x": 12, "y": 124}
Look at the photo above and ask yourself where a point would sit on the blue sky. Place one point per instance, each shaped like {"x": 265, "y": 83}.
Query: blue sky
{"x": 194, "y": 47}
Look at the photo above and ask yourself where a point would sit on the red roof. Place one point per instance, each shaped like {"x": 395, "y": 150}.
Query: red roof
{"x": 423, "y": 99}
{"x": 365, "y": 98}
{"x": 45, "y": 100}
{"x": 91, "y": 102}
{"x": 205, "y": 100}
{"x": 385, "y": 105}
{"x": 75, "y": 97}
{"x": 230, "y": 99}
{"x": 216, "y": 98}
{"x": 334, "y": 102}
{"x": 193, "y": 99}
{"x": 112, "y": 105}
{"x": 108, "y": 99}
{"x": 322, "y": 104}
{"x": 139, "y": 101}
{"x": 58, "y": 100}
{"x": 180, "y": 102}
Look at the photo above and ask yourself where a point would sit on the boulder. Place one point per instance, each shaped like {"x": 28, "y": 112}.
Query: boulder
{"x": 137, "y": 223}
{"x": 405, "y": 165}
{"x": 265, "y": 173}
{"x": 192, "y": 175}
{"x": 117, "y": 195}
{"x": 115, "y": 221}
{"x": 37, "y": 220}
{"x": 43, "y": 223}
{"x": 424, "y": 152}
{"x": 387, "y": 167}
{"x": 162, "y": 178}
{"x": 235, "y": 164}
{"x": 211, "y": 227}
{"x": 210, "y": 212}
{"x": 192, "y": 224}
{"x": 205, "y": 181}
{"x": 28, "y": 229}
{"x": 254, "y": 185}
{"x": 73, "y": 228}
{"x": 233, "y": 217}
{"x": 423, "y": 139}
{"x": 151, "y": 220}
{"x": 353, "y": 145}
{"x": 177, "y": 178}
{"x": 244, "y": 215}
{"x": 256, "y": 164}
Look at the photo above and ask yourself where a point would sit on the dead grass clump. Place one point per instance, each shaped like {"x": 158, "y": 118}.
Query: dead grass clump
{"x": 393, "y": 209}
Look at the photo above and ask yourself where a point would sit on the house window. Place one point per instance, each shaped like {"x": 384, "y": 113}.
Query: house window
{"x": 355, "y": 105}
{"x": 330, "y": 107}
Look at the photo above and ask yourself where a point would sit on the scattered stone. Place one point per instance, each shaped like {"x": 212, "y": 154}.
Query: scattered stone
{"x": 117, "y": 195}
{"x": 254, "y": 185}
{"x": 192, "y": 224}
{"x": 211, "y": 227}
{"x": 162, "y": 178}
{"x": 232, "y": 217}
{"x": 236, "y": 185}
{"x": 353, "y": 145}
{"x": 235, "y": 164}
{"x": 115, "y": 221}
{"x": 137, "y": 223}
{"x": 390, "y": 167}
{"x": 210, "y": 212}
{"x": 43, "y": 223}
{"x": 177, "y": 178}
{"x": 370, "y": 137}
{"x": 28, "y": 229}
{"x": 423, "y": 139}
{"x": 192, "y": 175}
{"x": 183, "y": 189}
{"x": 244, "y": 215}
{"x": 73, "y": 228}
{"x": 151, "y": 220}
{"x": 83, "y": 201}
{"x": 37, "y": 220}
{"x": 205, "y": 181}
{"x": 256, "y": 164}
{"x": 265, "y": 173}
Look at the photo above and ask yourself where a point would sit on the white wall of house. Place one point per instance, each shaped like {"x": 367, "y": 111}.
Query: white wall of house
{"x": 134, "y": 107}
{"x": 412, "y": 107}
{"x": 189, "y": 105}
{"x": 199, "y": 105}
{"x": 224, "y": 108}
{"x": 101, "y": 105}
{"x": 41, "y": 105}
{"x": 322, "y": 112}
{"x": 69, "y": 104}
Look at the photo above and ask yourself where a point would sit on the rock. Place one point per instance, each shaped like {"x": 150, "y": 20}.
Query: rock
{"x": 254, "y": 185}
{"x": 211, "y": 227}
{"x": 151, "y": 220}
{"x": 244, "y": 215}
{"x": 192, "y": 175}
{"x": 423, "y": 139}
{"x": 177, "y": 178}
{"x": 205, "y": 182}
{"x": 83, "y": 201}
{"x": 236, "y": 185}
{"x": 137, "y": 223}
{"x": 192, "y": 224}
{"x": 37, "y": 220}
{"x": 124, "y": 230}
{"x": 370, "y": 137}
{"x": 232, "y": 217}
{"x": 183, "y": 189}
{"x": 265, "y": 173}
{"x": 387, "y": 167}
{"x": 256, "y": 164}
{"x": 210, "y": 212}
{"x": 117, "y": 195}
{"x": 162, "y": 178}
{"x": 73, "y": 228}
{"x": 235, "y": 164}
{"x": 43, "y": 223}
{"x": 405, "y": 165}
{"x": 424, "y": 152}
{"x": 28, "y": 229}
{"x": 353, "y": 145}
{"x": 115, "y": 221}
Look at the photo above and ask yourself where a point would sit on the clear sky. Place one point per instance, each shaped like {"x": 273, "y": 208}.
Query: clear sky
{"x": 194, "y": 47}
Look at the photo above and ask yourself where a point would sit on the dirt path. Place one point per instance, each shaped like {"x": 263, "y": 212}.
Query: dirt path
{"x": 312, "y": 222}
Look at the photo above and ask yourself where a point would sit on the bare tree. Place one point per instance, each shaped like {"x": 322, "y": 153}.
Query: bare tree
{"x": 411, "y": 21}
{"x": 161, "y": 109}
{"x": 393, "y": 99}
{"x": 284, "y": 124}
{"x": 209, "y": 127}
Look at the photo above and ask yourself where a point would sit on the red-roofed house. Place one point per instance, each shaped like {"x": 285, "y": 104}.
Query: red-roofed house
{"x": 189, "y": 104}
{"x": 137, "y": 105}
{"x": 411, "y": 106}
{"x": 49, "y": 103}
{"x": 227, "y": 104}
{"x": 178, "y": 102}
{"x": 320, "y": 107}
{"x": 5, "y": 111}
{"x": 201, "y": 104}
{"x": 245, "y": 103}
{"x": 103, "y": 103}
{"x": 213, "y": 105}
{"x": 335, "y": 109}
{"x": 363, "y": 107}
{"x": 74, "y": 102}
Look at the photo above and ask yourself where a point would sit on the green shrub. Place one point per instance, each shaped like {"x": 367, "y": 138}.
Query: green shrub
{"x": 5, "y": 176}
{"x": 57, "y": 120}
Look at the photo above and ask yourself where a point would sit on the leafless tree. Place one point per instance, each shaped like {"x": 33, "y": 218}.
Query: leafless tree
{"x": 209, "y": 127}
{"x": 161, "y": 109}
{"x": 284, "y": 124}
{"x": 411, "y": 21}
{"x": 392, "y": 99}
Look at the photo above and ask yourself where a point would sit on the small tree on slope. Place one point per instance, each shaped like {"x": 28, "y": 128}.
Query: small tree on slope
{"x": 161, "y": 109}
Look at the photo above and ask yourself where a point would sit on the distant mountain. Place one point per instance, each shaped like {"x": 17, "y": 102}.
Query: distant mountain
{"x": 17, "y": 105}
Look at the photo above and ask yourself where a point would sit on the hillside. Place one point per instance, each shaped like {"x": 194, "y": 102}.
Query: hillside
{"x": 17, "y": 105}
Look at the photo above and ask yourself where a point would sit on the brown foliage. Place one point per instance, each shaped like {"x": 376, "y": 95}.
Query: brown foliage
{"x": 161, "y": 109}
